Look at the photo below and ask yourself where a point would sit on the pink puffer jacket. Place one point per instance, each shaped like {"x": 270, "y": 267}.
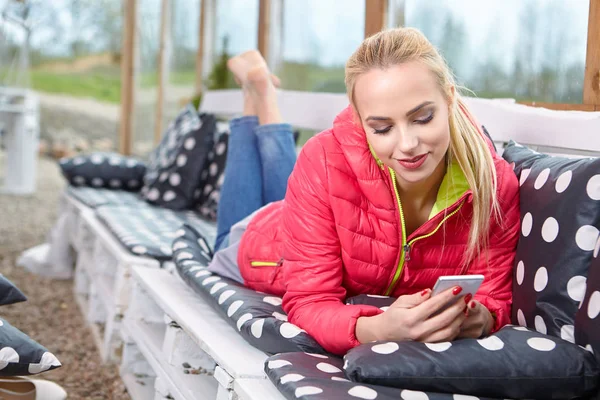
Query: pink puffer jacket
{"x": 339, "y": 233}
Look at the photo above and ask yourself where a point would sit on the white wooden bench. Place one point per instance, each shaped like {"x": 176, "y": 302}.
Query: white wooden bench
{"x": 168, "y": 325}
{"x": 153, "y": 350}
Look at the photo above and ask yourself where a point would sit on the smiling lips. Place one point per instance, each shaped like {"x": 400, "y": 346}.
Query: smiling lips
{"x": 413, "y": 163}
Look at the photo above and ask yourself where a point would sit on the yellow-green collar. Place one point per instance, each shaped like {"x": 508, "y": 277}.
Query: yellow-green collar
{"x": 453, "y": 186}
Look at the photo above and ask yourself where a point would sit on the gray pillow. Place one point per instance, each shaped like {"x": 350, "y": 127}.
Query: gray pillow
{"x": 9, "y": 293}
{"x": 104, "y": 170}
{"x": 512, "y": 363}
{"x": 560, "y": 221}
{"x": 175, "y": 166}
{"x": 21, "y": 355}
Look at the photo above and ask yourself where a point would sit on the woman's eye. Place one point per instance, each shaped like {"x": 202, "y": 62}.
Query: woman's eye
{"x": 382, "y": 131}
{"x": 424, "y": 120}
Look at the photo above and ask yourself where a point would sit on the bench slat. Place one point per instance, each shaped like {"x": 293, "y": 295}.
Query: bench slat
{"x": 204, "y": 325}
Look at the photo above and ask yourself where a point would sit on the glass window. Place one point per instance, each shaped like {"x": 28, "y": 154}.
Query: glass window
{"x": 74, "y": 52}
{"x": 318, "y": 36}
{"x": 148, "y": 34}
{"x": 531, "y": 50}
{"x": 235, "y": 30}
{"x": 181, "y": 82}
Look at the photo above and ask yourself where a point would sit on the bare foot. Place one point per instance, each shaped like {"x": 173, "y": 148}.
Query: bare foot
{"x": 258, "y": 84}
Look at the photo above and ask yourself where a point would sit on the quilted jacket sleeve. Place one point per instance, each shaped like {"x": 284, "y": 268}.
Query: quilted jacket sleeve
{"x": 497, "y": 266}
{"x": 314, "y": 298}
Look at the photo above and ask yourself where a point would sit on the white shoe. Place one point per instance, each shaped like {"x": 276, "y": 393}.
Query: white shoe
{"x": 22, "y": 388}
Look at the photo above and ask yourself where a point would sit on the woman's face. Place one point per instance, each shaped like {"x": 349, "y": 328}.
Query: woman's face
{"x": 405, "y": 117}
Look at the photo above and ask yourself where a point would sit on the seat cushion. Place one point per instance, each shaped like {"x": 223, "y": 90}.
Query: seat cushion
{"x": 93, "y": 197}
{"x": 560, "y": 217}
{"x": 587, "y": 321}
{"x": 175, "y": 166}
{"x": 146, "y": 230}
{"x": 104, "y": 170}
{"x": 258, "y": 317}
{"x": 514, "y": 362}
{"x": 21, "y": 355}
{"x": 317, "y": 377}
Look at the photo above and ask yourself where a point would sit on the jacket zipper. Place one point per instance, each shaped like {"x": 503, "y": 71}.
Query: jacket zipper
{"x": 404, "y": 244}
{"x": 266, "y": 263}
{"x": 405, "y": 251}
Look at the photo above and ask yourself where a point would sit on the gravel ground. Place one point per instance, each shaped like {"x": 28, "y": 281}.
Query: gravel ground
{"x": 51, "y": 315}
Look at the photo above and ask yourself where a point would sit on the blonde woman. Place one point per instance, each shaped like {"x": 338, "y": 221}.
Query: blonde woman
{"x": 403, "y": 188}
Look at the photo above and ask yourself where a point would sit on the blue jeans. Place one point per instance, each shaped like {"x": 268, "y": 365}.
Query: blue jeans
{"x": 260, "y": 159}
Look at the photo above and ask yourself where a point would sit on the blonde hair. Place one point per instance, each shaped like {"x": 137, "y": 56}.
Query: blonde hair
{"x": 467, "y": 145}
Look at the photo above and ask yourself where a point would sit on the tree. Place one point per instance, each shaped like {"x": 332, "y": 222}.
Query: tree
{"x": 219, "y": 77}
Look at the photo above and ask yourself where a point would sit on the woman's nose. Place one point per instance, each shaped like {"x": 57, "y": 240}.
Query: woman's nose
{"x": 407, "y": 142}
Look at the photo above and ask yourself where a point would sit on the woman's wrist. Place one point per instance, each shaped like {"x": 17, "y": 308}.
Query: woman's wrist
{"x": 369, "y": 329}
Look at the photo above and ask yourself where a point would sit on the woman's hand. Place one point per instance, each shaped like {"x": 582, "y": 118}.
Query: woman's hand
{"x": 479, "y": 321}
{"x": 413, "y": 317}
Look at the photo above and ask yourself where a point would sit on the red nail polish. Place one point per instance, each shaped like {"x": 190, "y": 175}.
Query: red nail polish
{"x": 424, "y": 292}
{"x": 456, "y": 290}
{"x": 473, "y": 305}
{"x": 468, "y": 298}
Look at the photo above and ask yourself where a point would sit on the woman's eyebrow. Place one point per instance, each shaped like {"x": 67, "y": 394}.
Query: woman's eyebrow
{"x": 414, "y": 110}
{"x": 417, "y": 108}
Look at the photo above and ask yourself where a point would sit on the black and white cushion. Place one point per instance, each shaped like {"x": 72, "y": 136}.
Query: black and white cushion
{"x": 104, "y": 170}
{"x": 9, "y": 293}
{"x": 175, "y": 166}
{"x": 587, "y": 321}
{"x": 514, "y": 362}
{"x": 94, "y": 198}
{"x": 21, "y": 355}
{"x": 317, "y": 377}
{"x": 560, "y": 217}
{"x": 208, "y": 192}
{"x": 257, "y": 316}
{"x": 149, "y": 230}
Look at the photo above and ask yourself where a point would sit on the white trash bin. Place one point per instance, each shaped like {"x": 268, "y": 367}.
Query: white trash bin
{"x": 19, "y": 122}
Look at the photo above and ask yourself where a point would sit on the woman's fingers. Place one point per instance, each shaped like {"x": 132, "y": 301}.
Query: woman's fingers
{"x": 448, "y": 317}
{"x": 446, "y": 333}
{"x": 412, "y": 300}
{"x": 438, "y": 302}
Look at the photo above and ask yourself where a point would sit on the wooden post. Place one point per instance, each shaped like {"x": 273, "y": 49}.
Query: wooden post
{"x": 163, "y": 67}
{"x": 264, "y": 27}
{"x": 127, "y": 76}
{"x": 375, "y": 16}
{"x": 200, "y": 55}
{"x": 591, "y": 83}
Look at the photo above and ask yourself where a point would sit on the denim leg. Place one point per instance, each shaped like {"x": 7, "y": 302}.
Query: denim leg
{"x": 242, "y": 190}
{"x": 278, "y": 156}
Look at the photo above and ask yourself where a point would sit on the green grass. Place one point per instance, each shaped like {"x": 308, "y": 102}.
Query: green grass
{"x": 97, "y": 85}
{"x": 101, "y": 84}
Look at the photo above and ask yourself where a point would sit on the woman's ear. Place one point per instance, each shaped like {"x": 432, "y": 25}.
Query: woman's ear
{"x": 451, "y": 96}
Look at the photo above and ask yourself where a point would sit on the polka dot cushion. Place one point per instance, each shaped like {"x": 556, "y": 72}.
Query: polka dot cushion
{"x": 514, "y": 362}
{"x": 208, "y": 193}
{"x": 104, "y": 170}
{"x": 587, "y": 321}
{"x": 148, "y": 230}
{"x": 21, "y": 355}
{"x": 560, "y": 217}
{"x": 258, "y": 317}
{"x": 94, "y": 198}
{"x": 176, "y": 164}
{"x": 9, "y": 293}
{"x": 318, "y": 377}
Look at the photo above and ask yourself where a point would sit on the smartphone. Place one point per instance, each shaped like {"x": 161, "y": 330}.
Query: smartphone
{"x": 469, "y": 283}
